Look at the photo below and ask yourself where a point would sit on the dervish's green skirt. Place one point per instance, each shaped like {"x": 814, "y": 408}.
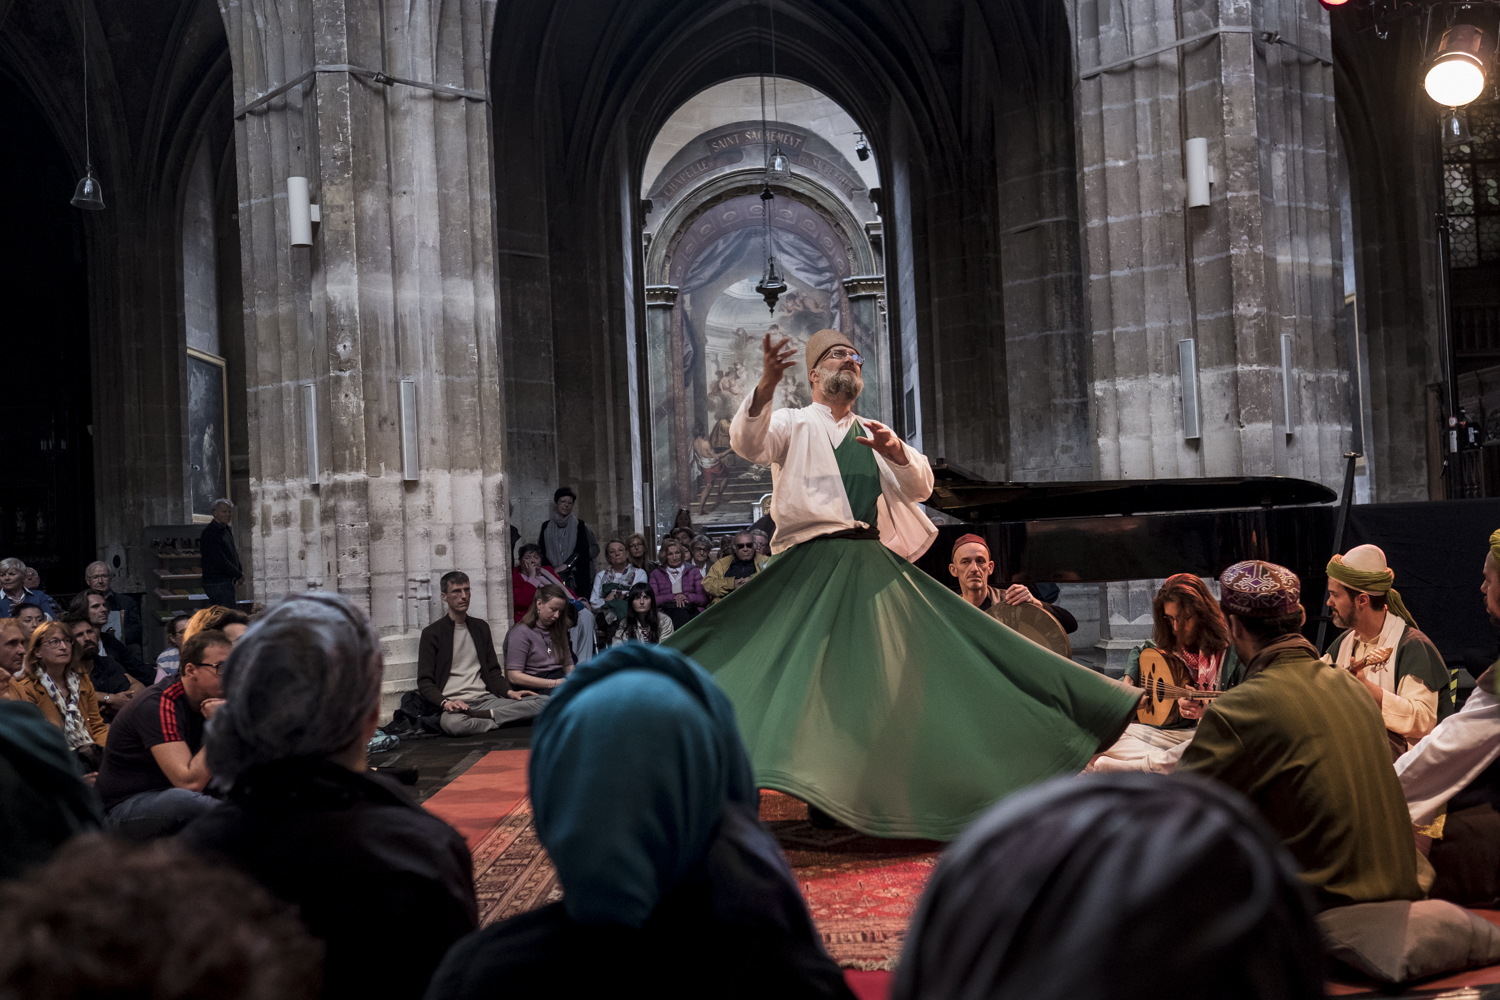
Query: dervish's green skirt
{"x": 868, "y": 689}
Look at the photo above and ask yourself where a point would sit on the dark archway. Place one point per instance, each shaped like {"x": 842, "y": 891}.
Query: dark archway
{"x": 967, "y": 105}
{"x": 46, "y": 494}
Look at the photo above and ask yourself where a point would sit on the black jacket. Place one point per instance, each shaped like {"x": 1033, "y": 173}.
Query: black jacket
{"x": 219, "y": 557}
{"x": 353, "y": 853}
{"x": 435, "y": 659}
{"x": 130, "y": 616}
{"x": 127, "y": 658}
{"x": 579, "y": 574}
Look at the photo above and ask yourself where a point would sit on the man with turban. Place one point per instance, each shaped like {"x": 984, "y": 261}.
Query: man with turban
{"x": 1382, "y": 647}
{"x": 862, "y": 685}
{"x": 1302, "y": 741}
{"x": 1453, "y": 776}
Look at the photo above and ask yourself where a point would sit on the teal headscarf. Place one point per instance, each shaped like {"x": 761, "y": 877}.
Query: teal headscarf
{"x": 632, "y": 765}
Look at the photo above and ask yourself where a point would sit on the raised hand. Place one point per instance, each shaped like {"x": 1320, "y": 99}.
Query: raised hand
{"x": 884, "y": 441}
{"x": 777, "y": 358}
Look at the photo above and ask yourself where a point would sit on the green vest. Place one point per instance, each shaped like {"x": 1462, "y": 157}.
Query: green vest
{"x": 861, "y": 475}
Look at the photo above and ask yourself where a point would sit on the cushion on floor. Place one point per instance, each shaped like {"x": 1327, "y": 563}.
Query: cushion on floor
{"x": 1398, "y": 941}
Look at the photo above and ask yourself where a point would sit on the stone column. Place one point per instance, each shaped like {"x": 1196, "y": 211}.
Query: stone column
{"x": 661, "y": 302}
{"x": 865, "y": 293}
{"x": 398, "y": 285}
{"x": 1260, "y": 262}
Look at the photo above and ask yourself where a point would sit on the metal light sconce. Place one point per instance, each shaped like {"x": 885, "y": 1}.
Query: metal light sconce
{"x": 88, "y": 195}
{"x": 1200, "y": 173}
{"x": 301, "y": 214}
{"x": 410, "y": 469}
{"x": 1187, "y": 377}
{"x": 861, "y": 147}
{"x": 1457, "y": 74}
{"x": 310, "y": 430}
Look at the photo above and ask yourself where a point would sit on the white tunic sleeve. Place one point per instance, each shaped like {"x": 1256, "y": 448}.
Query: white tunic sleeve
{"x": 761, "y": 439}
{"x": 1450, "y": 757}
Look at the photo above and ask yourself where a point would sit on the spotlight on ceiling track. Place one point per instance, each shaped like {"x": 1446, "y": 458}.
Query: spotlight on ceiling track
{"x": 1457, "y": 74}
{"x": 861, "y": 147}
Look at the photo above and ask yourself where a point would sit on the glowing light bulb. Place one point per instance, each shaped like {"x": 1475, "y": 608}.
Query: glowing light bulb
{"x": 1457, "y": 74}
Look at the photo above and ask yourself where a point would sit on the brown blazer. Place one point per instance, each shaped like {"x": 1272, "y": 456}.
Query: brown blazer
{"x": 28, "y": 688}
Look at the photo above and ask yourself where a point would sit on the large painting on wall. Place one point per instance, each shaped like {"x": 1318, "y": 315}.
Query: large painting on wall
{"x": 208, "y": 432}
{"x": 710, "y": 359}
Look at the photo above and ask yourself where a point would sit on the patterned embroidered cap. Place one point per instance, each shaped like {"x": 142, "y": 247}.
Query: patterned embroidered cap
{"x": 1259, "y": 589}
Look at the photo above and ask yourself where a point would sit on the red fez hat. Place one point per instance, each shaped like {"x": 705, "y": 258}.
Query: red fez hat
{"x": 965, "y": 540}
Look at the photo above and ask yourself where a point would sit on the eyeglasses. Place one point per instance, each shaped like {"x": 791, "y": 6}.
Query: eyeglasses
{"x": 745, "y": 545}
{"x": 56, "y": 640}
{"x": 844, "y": 354}
{"x": 210, "y": 666}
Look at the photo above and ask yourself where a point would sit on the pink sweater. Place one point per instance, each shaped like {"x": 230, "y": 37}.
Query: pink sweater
{"x": 692, "y": 587}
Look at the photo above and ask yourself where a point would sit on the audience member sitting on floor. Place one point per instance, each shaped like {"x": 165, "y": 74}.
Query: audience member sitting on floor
{"x": 216, "y": 617}
{"x": 679, "y": 588}
{"x": 639, "y": 552}
{"x": 90, "y": 606}
{"x": 970, "y": 562}
{"x": 645, "y": 802}
{"x": 644, "y": 623}
{"x": 107, "y": 920}
{"x": 701, "y": 554}
{"x": 13, "y": 591}
{"x": 1033, "y": 900}
{"x": 613, "y": 582}
{"x": 1398, "y": 665}
{"x": 1188, "y": 624}
{"x": 124, "y": 613}
{"x": 43, "y": 802}
{"x": 155, "y": 768}
{"x": 168, "y": 659}
{"x": 569, "y": 545}
{"x": 307, "y": 818}
{"x": 734, "y": 571}
{"x": 1453, "y": 777}
{"x": 13, "y": 640}
{"x": 29, "y": 615}
{"x": 1306, "y": 744}
{"x": 531, "y": 575}
{"x": 537, "y": 653}
{"x": 459, "y": 674}
{"x": 57, "y": 681}
{"x": 113, "y": 687}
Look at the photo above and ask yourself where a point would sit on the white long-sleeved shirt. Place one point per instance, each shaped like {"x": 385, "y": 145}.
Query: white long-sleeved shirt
{"x": 807, "y": 489}
{"x": 1453, "y": 754}
{"x": 1409, "y": 709}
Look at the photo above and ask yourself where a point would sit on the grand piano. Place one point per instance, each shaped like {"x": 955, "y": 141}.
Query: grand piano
{"x": 1115, "y": 530}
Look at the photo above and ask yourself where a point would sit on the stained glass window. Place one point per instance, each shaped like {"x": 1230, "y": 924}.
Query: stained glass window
{"x": 1471, "y": 185}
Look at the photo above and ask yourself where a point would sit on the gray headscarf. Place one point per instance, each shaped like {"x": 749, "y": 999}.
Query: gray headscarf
{"x": 300, "y": 683}
{"x": 560, "y": 535}
{"x": 1115, "y": 886}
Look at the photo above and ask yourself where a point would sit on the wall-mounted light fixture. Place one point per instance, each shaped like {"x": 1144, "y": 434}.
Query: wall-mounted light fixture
{"x": 301, "y": 213}
{"x": 1200, "y": 173}
{"x": 861, "y": 147}
{"x": 1288, "y": 384}
{"x": 310, "y": 430}
{"x": 1187, "y": 375}
{"x": 410, "y": 470}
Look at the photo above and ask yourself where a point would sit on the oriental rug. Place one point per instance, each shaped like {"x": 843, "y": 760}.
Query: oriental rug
{"x": 861, "y": 891}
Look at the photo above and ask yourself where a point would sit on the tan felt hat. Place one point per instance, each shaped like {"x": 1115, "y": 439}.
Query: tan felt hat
{"x": 821, "y": 343}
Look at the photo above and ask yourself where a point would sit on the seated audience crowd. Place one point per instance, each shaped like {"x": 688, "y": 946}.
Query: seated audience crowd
{"x": 209, "y": 824}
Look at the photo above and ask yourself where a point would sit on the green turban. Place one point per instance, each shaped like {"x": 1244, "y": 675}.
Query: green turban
{"x": 1375, "y": 582}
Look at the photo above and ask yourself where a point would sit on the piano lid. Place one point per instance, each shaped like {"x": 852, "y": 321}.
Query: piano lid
{"x": 960, "y": 494}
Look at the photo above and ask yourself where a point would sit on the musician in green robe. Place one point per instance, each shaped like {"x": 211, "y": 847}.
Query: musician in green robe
{"x": 1304, "y": 742}
{"x": 862, "y": 685}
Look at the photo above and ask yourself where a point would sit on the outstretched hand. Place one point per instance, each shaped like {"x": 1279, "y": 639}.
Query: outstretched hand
{"x": 777, "y": 358}
{"x": 884, "y": 440}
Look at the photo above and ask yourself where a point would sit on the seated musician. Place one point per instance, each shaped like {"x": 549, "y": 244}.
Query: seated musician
{"x": 972, "y": 565}
{"x": 1452, "y": 780}
{"x": 1398, "y": 665}
{"x": 1187, "y": 624}
{"x": 1303, "y": 742}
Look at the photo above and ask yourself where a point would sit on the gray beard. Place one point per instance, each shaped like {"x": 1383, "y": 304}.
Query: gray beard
{"x": 843, "y": 385}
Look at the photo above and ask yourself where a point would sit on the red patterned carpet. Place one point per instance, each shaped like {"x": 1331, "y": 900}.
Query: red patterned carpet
{"x": 861, "y": 890}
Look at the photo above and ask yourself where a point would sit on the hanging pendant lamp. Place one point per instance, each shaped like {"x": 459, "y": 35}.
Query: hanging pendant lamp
{"x": 88, "y": 195}
{"x": 772, "y": 285}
